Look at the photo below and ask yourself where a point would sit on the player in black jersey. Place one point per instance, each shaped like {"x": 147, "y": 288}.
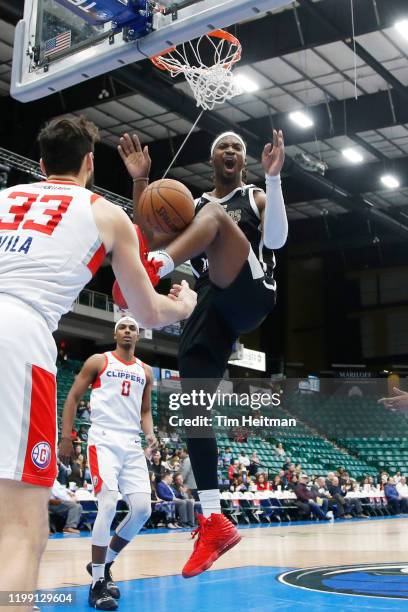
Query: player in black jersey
{"x": 230, "y": 244}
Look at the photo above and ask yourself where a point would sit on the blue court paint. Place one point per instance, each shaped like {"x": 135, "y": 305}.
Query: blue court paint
{"x": 249, "y": 589}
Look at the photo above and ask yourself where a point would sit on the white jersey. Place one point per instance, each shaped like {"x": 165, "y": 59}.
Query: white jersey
{"x": 117, "y": 393}
{"x": 49, "y": 245}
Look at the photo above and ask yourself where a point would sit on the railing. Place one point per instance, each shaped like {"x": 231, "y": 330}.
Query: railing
{"x": 94, "y": 299}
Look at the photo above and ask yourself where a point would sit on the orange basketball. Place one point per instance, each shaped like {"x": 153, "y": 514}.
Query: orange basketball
{"x": 166, "y": 206}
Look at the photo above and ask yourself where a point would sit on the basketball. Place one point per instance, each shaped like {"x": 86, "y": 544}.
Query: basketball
{"x": 167, "y": 206}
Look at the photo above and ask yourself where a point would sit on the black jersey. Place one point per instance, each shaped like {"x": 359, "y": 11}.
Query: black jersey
{"x": 241, "y": 206}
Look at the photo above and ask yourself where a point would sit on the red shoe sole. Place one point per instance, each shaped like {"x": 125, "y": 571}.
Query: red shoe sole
{"x": 216, "y": 555}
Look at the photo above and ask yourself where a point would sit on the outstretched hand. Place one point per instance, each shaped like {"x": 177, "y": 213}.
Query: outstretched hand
{"x": 136, "y": 160}
{"x": 273, "y": 155}
{"x": 398, "y": 402}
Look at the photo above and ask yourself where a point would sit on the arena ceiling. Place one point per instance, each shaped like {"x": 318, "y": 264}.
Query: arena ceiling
{"x": 302, "y": 58}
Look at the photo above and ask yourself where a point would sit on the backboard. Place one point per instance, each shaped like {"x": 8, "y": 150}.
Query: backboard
{"x": 60, "y": 43}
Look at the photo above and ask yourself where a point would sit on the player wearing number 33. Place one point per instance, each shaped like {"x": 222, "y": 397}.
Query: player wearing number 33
{"x": 120, "y": 410}
{"x": 54, "y": 235}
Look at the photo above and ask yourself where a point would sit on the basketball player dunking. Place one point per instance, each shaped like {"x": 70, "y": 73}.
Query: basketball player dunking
{"x": 120, "y": 410}
{"x": 53, "y": 237}
{"x": 230, "y": 244}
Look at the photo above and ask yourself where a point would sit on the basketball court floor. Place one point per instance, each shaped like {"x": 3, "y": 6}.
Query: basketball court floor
{"x": 346, "y": 565}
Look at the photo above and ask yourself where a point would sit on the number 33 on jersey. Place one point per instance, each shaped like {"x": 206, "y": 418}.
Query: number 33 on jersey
{"x": 49, "y": 245}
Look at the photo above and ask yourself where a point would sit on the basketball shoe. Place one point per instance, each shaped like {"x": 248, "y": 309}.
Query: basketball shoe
{"x": 215, "y": 536}
{"x": 111, "y": 587}
{"x": 151, "y": 266}
{"x": 99, "y": 597}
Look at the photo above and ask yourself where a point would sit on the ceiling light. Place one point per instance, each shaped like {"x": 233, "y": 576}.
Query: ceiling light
{"x": 301, "y": 119}
{"x": 352, "y": 155}
{"x": 246, "y": 84}
{"x": 402, "y": 27}
{"x": 390, "y": 181}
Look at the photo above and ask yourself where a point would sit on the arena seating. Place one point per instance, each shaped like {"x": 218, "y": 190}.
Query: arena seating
{"x": 367, "y": 430}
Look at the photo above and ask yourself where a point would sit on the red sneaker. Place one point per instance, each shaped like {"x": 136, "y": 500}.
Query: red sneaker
{"x": 152, "y": 268}
{"x": 216, "y": 535}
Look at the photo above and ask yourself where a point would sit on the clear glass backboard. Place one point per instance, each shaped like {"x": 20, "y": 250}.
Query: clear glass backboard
{"x": 60, "y": 43}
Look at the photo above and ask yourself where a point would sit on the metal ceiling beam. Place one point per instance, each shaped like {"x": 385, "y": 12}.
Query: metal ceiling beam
{"x": 336, "y": 31}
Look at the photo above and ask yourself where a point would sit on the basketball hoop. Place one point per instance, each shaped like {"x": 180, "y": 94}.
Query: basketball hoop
{"x": 211, "y": 83}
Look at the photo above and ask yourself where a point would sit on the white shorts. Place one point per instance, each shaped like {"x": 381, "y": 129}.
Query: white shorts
{"x": 117, "y": 460}
{"x": 28, "y": 430}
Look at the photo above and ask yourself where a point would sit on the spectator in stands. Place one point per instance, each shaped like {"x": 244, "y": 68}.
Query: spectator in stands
{"x": 254, "y": 464}
{"x": 182, "y": 492}
{"x": 82, "y": 411}
{"x": 63, "y": 503}
{"x": 155, "y": 465}
{"x": 287, "y": 463}
{"x": 396, "y": 502}
{"x": 277, "y": 483}
{"x": 244, "y": 459}
{"x": 309, "y": 501}
{"x": 292, "y": 484}
{"x": 323, "y": 492}
{"x": 382, "y": 479}
{"x": 187, "y": 473}
{"x": 64, "y": 471}
{"x": 261, "y": 482}
{"x": 77, "y": 450}
{"x": 280, "y": 451}
{"x": 346, "y": 505}
{"x": 283, "y": 478}
{"x": 337, "y": 494}
{"x": 77, "y": 471}
{"x": 165, "y": 457}
{"x": 174, "y": 463}
{"x": 237, "y": 485}
{"x": 74, "y": 435}
{"x": 227, "y": 456}
{"x": 83, "y": 433}
{"x": 402, "y": 487}
{"x": 290, "y": 472}
{"x": 166, "y": 493}
{"x": 233, "y": 470}
{"x": 166, "y": 510}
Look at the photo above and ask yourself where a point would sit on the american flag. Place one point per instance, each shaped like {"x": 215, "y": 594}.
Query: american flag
{"x": 58, "y": 43}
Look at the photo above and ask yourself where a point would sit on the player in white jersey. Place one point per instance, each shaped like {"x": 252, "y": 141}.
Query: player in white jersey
{"x": 120, "y": 410}
{"x": 53, "y": 237}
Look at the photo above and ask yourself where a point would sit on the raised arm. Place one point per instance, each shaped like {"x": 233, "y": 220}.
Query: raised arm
{"x": 271, "y": 204}
{"x": 138, "y": 163}
{"x": 86, "y": 377}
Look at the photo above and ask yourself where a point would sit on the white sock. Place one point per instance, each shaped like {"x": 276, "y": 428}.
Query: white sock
{"x": 111, "y": 555}
{"x": 210, "y": 501}
{"x": 98, "y": 572}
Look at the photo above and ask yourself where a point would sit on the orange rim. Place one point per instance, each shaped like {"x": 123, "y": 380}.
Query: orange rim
{"x": 159, "y": 60}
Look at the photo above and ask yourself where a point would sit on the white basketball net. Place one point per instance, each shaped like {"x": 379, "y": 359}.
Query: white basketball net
{"x": 211, "y": 84}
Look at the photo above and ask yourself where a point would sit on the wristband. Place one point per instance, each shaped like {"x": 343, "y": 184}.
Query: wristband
{"x": 141, "y": 178}
{"x": 165, "y": 259}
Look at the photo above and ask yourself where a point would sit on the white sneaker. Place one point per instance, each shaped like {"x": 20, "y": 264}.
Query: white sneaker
{"x": 330, "y": 515}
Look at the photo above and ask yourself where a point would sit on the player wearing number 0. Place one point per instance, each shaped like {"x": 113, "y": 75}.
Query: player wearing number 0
{"x": 120, "y": 410}
{"x": 54, "y": 235}
{"x": 230, "y": 245}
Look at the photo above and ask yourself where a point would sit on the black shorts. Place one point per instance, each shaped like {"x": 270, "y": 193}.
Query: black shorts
{"x": 220, "y": 317}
